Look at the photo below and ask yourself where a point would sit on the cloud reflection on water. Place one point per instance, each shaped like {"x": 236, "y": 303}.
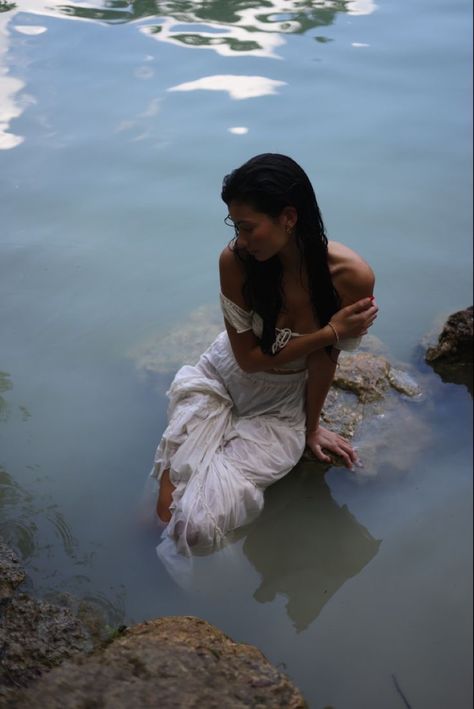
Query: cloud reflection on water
{"x": 10, "y": 87}
{"x": 237, "y": 86}
{"x": 230, "y": 29}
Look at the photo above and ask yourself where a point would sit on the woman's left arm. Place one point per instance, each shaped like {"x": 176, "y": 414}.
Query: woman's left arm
{"x": 355, "y": 281}
{"x": 321, "y": 370}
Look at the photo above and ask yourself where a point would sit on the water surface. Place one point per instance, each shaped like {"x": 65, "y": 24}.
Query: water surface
{"x": 117, "y": 124}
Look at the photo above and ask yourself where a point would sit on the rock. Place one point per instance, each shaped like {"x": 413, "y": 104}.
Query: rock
{"x": 166, "y": 351}
{"x": 5, "y": 385}
{"x": 404, "y": 383}
{"x": 54, "y": 657}
{"x": 11, "y": 573}
{"x": 370, "y": 379}
{"x": 452, "y": 356}
{"x": 35, "y": 636}
{"x": 363, "y": 373}
{"x": 169, "y": 662}
{"x": 455, "y": 340}
{"x": 370, "y": 401}
{"x": 391, "y": 441}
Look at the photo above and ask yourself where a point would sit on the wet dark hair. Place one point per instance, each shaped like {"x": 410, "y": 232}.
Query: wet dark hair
{"x": 268, "y": 183}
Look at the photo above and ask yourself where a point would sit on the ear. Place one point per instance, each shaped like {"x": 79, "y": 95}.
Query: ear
{"x": 289, "y": 217}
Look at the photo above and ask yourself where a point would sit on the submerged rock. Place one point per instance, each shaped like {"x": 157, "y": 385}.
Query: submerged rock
{"x": 372, "y": 402}
{"x": 452, "y": 356}
{"x": 169, "y": 662}
{"x": 11, "y": 573}
{"x": 404, "y": 382}
{"x": 165, "y": 352}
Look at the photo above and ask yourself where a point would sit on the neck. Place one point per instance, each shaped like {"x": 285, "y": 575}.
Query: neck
{"x": 290, "y": 257}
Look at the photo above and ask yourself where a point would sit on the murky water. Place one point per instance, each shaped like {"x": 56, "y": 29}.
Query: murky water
{"x": 117, "y": 123}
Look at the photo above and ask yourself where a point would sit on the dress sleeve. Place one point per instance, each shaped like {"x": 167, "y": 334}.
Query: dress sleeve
{"x": 240, "y": 319}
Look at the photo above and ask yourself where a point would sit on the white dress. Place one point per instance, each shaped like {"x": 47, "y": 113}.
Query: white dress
{"x": 230, "y": 435}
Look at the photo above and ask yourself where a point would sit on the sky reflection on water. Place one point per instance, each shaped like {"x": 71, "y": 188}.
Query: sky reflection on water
{"x": 109, "y": 177}
{"x": 235, "y": 30}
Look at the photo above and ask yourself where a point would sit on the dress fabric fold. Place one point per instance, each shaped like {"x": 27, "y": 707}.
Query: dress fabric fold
{"x": 230, "y": 435}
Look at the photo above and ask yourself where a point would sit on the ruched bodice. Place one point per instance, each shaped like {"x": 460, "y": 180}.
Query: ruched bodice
{"x": 243, "y": 321}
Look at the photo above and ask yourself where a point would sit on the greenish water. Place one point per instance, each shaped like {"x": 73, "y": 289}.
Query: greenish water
{"x": 117, "y": 123}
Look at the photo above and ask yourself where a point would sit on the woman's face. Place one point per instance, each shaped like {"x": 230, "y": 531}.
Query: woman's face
{"x": 260, "y": 235}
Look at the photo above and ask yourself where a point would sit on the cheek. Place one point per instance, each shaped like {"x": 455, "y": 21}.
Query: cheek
{"x": 265, "y": 236}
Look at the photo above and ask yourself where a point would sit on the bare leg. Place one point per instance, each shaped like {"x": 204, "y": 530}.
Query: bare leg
{"x": 165, "y": 497}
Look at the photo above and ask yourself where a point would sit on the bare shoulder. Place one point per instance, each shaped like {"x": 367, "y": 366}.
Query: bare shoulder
{"x": 351, "y": 274}
{"x": 231, "y": 274}
{"x": 227, "y": 258}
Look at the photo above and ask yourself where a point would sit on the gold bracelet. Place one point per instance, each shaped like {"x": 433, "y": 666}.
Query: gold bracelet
{"x": 334, "y": 331}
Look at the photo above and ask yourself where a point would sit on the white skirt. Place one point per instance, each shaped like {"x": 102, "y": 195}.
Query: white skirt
{"x": 230, "y": 435}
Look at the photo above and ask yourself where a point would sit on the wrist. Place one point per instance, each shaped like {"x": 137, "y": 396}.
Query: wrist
{"x": 334, "y": 332}
{"x": 312, "y": 430}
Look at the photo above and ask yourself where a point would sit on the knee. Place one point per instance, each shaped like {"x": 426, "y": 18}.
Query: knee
{"x": 165, "y": 497}
{"x": 163, "y": 510}
{"x": 185, "y": 532}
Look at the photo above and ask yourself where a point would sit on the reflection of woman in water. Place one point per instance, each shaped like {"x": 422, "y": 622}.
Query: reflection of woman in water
{"x": 332, "y": 545}
{"x": 240, "y": 418}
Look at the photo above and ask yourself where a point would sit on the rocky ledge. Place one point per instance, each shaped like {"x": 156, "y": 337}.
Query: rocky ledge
{"x": 169, "y": 662}
{"x": 51, "y": 658}
{"x": 34, "y": 635}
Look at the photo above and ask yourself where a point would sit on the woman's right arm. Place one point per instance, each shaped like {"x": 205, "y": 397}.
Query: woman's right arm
{"x": 351, "y": 321}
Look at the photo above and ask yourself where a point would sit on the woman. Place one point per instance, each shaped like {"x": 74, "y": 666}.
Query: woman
{"x": 240, "y": 419}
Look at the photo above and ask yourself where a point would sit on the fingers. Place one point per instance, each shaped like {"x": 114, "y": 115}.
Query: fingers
{"x": 370, "y": 315}
{"x": 364, "y": 304}
{"x": 318, "y": 452}
{"x": 345, "y": 451}
{"x": 371, "y": 319}
{"x": 367, "y": 305}
{"x": 348, "y": 454}
{"x": 334, "y": 444}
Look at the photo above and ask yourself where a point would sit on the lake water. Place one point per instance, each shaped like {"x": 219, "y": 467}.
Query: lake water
{"x": 117, "y": 124}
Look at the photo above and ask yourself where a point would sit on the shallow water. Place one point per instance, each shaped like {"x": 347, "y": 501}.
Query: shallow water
{"x": 117, "y": 124}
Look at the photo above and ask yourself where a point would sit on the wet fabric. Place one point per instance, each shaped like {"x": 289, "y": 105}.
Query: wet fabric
{"x": 243, "y": 321}
{"x": 230, "y": 435}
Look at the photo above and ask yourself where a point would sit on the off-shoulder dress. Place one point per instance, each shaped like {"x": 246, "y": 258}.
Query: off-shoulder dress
{"x": 230, "y": 435}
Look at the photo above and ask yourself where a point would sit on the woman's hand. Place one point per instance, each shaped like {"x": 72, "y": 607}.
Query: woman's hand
{"x": 354, "y": 320}
{"x": 322, "y": 440}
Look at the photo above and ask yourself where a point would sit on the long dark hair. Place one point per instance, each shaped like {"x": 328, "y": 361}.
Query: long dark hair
{"x": 268, "y": 183}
